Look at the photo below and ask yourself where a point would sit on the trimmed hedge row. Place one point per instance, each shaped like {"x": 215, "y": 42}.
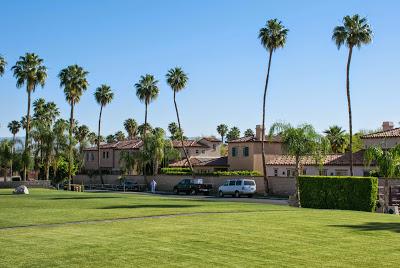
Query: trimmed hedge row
{"x": 335, "y": 192}
{"x": 186, "y": 171}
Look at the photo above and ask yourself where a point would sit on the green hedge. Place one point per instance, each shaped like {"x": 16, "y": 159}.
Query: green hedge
{"x": 186, "y": 171}
{"x": 334, "y": 192}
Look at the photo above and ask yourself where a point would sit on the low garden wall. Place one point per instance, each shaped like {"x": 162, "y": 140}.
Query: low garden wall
{"x": 29, "y": 184}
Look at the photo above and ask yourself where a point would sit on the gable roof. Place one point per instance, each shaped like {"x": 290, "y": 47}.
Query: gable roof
{"x": 211, "y": 139}
{"x": 391, "y": 133}
{"x": 202, "y": 161}
{"x": 187, "y": 143}
{"x": 330, "y": 160}
{"x": 120, "y": 145}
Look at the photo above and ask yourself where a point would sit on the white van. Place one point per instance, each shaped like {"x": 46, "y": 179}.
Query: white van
{"x": 237, "y": 187}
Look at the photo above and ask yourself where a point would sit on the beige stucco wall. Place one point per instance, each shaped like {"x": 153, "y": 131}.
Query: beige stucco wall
{"x": 314, "y": 170}
{"x": 384, "y": 143}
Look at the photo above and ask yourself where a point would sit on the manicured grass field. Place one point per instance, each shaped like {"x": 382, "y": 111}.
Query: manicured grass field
{"x": 244, "y": 235}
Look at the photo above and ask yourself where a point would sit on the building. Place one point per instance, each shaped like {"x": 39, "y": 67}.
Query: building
{"x": 388, "y": 138}
{"x": 204, "y": 164}
{"x": 110, "y": 152}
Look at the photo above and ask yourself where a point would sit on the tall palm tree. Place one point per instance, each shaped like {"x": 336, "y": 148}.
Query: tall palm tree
{"x": 30, "y": 71}
{"x": 337, "y": 138}
{"x": 354, "y": 32}
{"x": 103, "y": 96}
{"x": 3, "y": 64}
{"x": 222, "y": 129}
{"x": 131, "y": 126}
{"x": 272, "y": 36}
{"x": 14, "y": 127}
{"x": 147, "y": 91}
{"x": 119, "y": 135}
{"x": 177, "y": 80}
{"x": 73, "y": 80}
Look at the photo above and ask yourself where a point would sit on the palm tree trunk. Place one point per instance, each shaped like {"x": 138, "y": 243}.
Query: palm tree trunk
{"x": 144, "y": 145}
{"x": 70, "y": 157}
{"x": 386, "y": 196}
{"x": 98, "y": 147}
{"x": 181, "y": 137}
{"x": 349, "y": 108}
{"x": 27, "y": 128}
{"x": 266, "y": 190}
{"x": 13, "y": 152}
{"x": 297, "y": 173}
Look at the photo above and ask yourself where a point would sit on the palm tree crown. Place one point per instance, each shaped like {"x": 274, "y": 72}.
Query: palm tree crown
{"x": 3, "y": 64}
{"x": 103, "y": 95}
{"x": 131, "y": 127}
{"x": 176, "y": 79}
{"x": 273, "y": 35}
{"x": 147, "y": 89}
{"x": 29, "y": 70}
{"x": 73, "y": 80}
{"x": 355, "y": 31}
{"x": 14, "y": 126}
{"x": 337, "y": 138}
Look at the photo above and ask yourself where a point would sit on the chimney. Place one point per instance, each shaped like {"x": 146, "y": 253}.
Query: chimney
{"x": 258, "y": 132}
{"x": 387, "y": 125}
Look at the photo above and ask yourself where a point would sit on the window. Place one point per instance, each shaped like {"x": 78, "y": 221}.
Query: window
{"x": 341, "y": 172}
{"x": 304, "y": 171}
{"x": 275, "y": 172}
{"x": 197, "y": 151}
{"x": 232, "y": 183}
{"x": 249, "y": 183}
{"x": 288, "y": 172}
{"x": 87, "y": 156}
{"x": 214, "y": 146}
{"x": 107, "y": 155}
{"x": 246, "y": 151}
{"x": 226, "y": 183}
{"x": 104, "y": 155}
{"x": 234, "y": 151}
{"x": 92, "y": 156}
{"x": 323, "y": 172}
{"x": 238, "y": 183}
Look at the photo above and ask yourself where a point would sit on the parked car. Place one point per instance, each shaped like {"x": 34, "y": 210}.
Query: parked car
{"x": 237, "y": 187}
{"x": 192, "y": 186}
{"x": 129, "y": 186}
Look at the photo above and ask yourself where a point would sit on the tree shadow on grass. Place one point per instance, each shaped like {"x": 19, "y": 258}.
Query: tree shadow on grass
{"x": 148, "y": 206}
{"x": 374, "y": 226}
{"x": 82, "y": 197}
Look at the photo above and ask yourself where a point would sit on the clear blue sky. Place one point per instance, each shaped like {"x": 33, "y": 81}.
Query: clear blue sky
{"x": 216, "y": 44}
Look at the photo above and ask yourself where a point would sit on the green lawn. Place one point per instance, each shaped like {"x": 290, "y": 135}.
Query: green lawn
{"x": 248, "y": 235}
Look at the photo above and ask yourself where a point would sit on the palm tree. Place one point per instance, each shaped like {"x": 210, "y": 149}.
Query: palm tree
{"x": 131, "y": 126}
{"x": 5, "y": 156}
{"x": 233, "y": 134}
{"x": 141, "y": 128}
{"x": 109, "y": 138}
{"x": 73, "y": 80}
{"x": 388, "y": 165}
{"x": 30, "y": 71}
{"x": 147, "y": 91}
{"x": 272, "y": 36}
{"x": 337, "y": 138}
{"x": 14, "y": 127}
{"x": 249, "y": 133}
{"x": 103, "y": 96}
{"x": 3, "y": 64}
{"x": 177, "y": 80}
{"x": 222, "y": 129}
{"x": 92, "y": 137}
{"x": 298, "y": 142}
{"x": 354, "y": 32}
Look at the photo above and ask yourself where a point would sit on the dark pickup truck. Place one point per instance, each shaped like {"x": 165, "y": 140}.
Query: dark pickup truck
{"x": 192, "y": 186}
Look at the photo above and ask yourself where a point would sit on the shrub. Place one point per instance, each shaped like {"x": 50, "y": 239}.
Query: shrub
{"x": 237, "y": 173}
{"x": 186, "y": 171}
{"x": 334, "y": 192}
{"x": 175, "y": 171}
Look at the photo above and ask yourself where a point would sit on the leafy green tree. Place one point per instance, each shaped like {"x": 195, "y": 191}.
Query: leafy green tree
{"x": 387, "y": 164}
{"x": 146, "y": 91}
{"x": 29, "y": 71}
{"x": 60, "y": 142}
{"x": 337, "y": 138}
{"x": 103, "y": 96}
{"x": 222, "y": 130}
{"x": 119, "y": 135}
{"x": 298, "y": 142}
{"x": 129, "y": 161}
{"x": 249, "y": 133}
{"x": 14, "y": 127}
{"x": 110, "y": 138}
{"x": 131, "y": 128}
{"x": 92, "y": 137}
{"x": 177, "y": 80}
{"x": 73, "y": 80}
{"x": 233, "y": 134}
{"x": 6, "y": 156}
{"x": 142, "y": 127}
{"x": 354, "y": 32}
{"x": 272, "y": 36}
{"x": 3, "y": 64}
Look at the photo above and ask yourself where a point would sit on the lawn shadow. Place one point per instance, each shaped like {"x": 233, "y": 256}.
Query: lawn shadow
{"x": 148, "y": 206}
{"x": 374, "y": 226}
{"x": 82, "y": 197}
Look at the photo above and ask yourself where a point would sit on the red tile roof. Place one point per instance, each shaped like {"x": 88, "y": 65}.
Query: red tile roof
{"x": 187, "y": 143}
{"x": 392, "y": 133}
{"x": 330, "y": 160}
{"x": 119, "y": 145}
{"x": 211, "y": 139}
{"x": 203, "y": 161}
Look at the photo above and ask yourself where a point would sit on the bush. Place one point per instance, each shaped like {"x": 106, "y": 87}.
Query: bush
{"x": 334, "y": 192}
{"x": 186, "y": 171}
